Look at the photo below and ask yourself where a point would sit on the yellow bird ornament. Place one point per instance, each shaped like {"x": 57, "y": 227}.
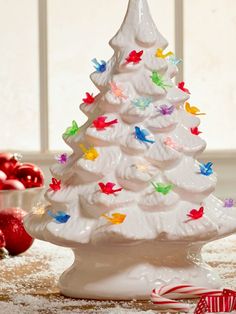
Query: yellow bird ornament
{"x": 116, "y": 218}
{"x": 160, "y": 54}
{"x": 193, "y": 110}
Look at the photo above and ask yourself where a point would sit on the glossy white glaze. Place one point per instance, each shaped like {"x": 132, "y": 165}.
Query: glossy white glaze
{"x": 131, "y": 272}
{"x": 156, "y": 244}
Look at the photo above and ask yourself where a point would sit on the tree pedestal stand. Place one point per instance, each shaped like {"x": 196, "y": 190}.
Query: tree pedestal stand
{"x": 131, "y": 272}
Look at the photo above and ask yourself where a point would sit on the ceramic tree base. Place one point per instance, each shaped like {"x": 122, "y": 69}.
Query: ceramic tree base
{"x": 131, "y": 272}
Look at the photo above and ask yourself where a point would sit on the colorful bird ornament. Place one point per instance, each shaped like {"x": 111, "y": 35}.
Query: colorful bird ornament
{"x": 89, "y": 154}
{"x": 166, "y": 110}
{"x": 181, "y": 86}
{"x": 72, "y": 130}
{"x": 206, "y": 169}
{"x": 229, "y": 203}
{"x": 117, "y": 91}
{"x": 108, "y": 188}
{"x": 60, "y": 217}
{"x": 163, "y": 188}
{"x": 99, "y": 67}
{"x": 55, "y": 185}
{"x": 168, "y": 141}
{"x": 160, "y": 54}
{"x": 134, "y": 57}
{"x": 116, "y": 218}
{"x": 101, "y": 124}
{"x": 158, "y": 80}
{"x": 195, "y": 214}
{"x": 195, "y": 131}
{"x": 141, "y": 135}
{"x": 62, "y": 158}
{"x": 193, "y": 110}
{"x": 142, "y": 167}
{"x": 39, "y": 209}
{"x": 142, "y": 103}
{"x": 174, "y": 60}
{"x": 89, "y": 100}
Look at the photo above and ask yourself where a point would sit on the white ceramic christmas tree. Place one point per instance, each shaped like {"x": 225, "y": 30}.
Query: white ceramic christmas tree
{"x": 133, "y": 203}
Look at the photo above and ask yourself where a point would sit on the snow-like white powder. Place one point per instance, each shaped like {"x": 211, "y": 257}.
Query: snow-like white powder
{"x": 39, "y": 264}
{"x": 28, "y": 282}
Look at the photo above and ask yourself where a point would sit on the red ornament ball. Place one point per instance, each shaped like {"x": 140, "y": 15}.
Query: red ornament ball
{"x": 5, "y": 157}
{"x": 12, "y": 184}
{"x": 17, "y": 240}
{"x": 2, "y": 240}
{"x": 8, "y": 163}
{"x": 3, "y": 177}
{"x": 30, "y": 175}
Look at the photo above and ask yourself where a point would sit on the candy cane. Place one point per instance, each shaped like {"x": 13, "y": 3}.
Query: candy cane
{"x": 164, "y": 296}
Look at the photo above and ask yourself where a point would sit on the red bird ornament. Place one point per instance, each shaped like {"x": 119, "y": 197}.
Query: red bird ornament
{"x": 181, "y": 86}
{"x": 134, "y": 57}
{"x": 89, "y": 100}
{"x": 108, "y": 188}
{"x": 100, "y": 123}
{"x": 55, "y": 185}
{"x": 195, "y": 131}
{"x": 195, "y": 214}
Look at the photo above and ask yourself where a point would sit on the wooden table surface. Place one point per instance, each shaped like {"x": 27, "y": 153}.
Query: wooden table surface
{"x": 28, "y": 283}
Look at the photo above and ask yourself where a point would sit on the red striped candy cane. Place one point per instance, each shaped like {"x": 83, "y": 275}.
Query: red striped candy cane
{"x": 164, "y": 297}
